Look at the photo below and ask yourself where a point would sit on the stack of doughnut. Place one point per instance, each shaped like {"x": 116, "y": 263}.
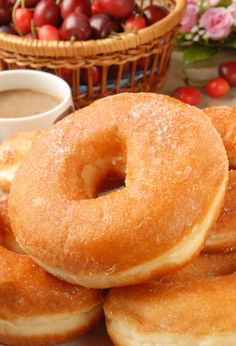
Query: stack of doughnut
{"x": 163, "y": 243}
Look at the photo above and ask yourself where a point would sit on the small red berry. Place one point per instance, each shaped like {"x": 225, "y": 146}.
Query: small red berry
{"x": 5, "y": 12}
{"x": 117, "y": 8}
{"x": 67, "y": 75}
{"x": 22, "y": 20}
{"x": 227, "y": 70}
{"x": 47, "y": 12}
{"x": 217, "y": 87}
{"x": 49, "y": 33}
{"x": 71, "y": 6}
{"x": 188, "y": 94}
{"x": 96, "y": 75}
{"x": 96, "y": 7}
{"x": 154, "y": 13}
{"x": 76, "y": 27}
{"x": 135, "y": 23}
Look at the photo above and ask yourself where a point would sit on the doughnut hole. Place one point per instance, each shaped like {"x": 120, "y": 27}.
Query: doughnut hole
{"x": 113, "y": 181}
{"x": 107, "y": 173}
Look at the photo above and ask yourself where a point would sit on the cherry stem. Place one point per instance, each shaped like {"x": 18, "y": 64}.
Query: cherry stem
{"x": 185, "y": 77}
{"x": 33, "y": 29}
{"x": 72, "y": 40}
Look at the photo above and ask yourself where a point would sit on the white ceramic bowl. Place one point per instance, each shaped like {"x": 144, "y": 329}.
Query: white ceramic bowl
{"x": 39, "y": 81}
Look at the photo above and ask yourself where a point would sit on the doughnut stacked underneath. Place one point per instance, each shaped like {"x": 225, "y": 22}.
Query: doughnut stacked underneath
{"x": 12, "y": 152}
{"x": 196, "y": 306}
{"x": 222, "y": 236}
{"x": 174, "y": 171}
{"x": 36, "y": 308}
{"x": 224, "y": 120}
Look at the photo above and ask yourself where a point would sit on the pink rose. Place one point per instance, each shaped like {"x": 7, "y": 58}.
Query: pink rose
{"x": 217, "y": 22}
{"x": 190, "y": 17}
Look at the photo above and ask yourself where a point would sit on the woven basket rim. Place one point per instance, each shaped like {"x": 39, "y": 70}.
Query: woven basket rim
{"x": 114, "y": 44}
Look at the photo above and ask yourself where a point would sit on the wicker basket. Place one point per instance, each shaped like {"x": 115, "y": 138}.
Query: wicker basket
{"x": 151, "y": 46}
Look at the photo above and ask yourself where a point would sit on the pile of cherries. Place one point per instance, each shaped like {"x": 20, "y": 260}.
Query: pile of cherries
{"x": 75, "y": 20}
{"x": 216, "y": 87}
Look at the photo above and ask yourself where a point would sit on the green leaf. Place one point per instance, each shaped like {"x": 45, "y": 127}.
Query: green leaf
{"x": 224, "y": 3}
{"x": 196, "y": 53}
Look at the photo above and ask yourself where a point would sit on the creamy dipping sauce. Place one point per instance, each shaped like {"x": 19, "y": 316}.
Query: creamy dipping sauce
{"x": 18, "y": 103}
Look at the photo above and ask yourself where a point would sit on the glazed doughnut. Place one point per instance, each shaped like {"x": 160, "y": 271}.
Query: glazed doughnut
{"x": 222, "y": 236}
{"x": 196, "y": 306}
{"x": 12, "y": 152}
{"x": 175, "y": 170}
{"x": 224, "y": 120}
{"x": 36, "y": 308}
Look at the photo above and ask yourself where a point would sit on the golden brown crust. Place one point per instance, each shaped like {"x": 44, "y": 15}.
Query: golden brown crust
{"x": 29, "y": 295}
{"x": 12, "y": 152}
{"x": 197, "y": 301}
{"x": 224, "y": 120}
{"x": 222, "y": 236}
{"x": 53, "y": 339}
{"x": 175, "y": 161}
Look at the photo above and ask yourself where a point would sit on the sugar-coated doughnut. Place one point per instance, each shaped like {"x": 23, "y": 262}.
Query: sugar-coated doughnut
{"x": 36, "y": 308}
{"x": 222, "y": 236}
{"x": 195, "y": 306}
{"x": 12, "y": 152}
{"x": 224, "y": 120}
{"x": 175, "y": 170}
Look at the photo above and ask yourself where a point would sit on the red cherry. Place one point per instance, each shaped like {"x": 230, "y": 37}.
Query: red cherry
{"x": 96, "y": 75}
{"x": 96, "y": 7}
{"x": 47, "y": 12}
{"x": 188, "y": 94}
{"x": 117, "y": 8}
{"x": 217, "y": 87}
{"x": 227, "y": 70}
{"x": 49, "y": 33}
{"x": 22, "y": 20}
{"x": 5, "y": 13}
{"x": 113, "y": 70}
{"x": 154, "y": 13}
{"x": 67, "y": 75}
{"x": 71, "y": 6}
{"x": 103, "y": 25}
{"x": 76, "y": 26}
{"x": 135, "y": 23}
